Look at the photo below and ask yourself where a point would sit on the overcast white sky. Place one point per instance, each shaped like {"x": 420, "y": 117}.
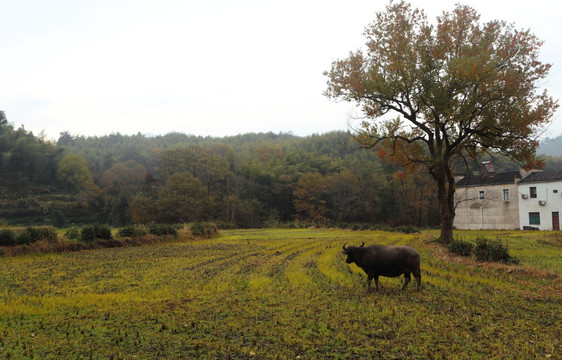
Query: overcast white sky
{"x": 212, "y": 67}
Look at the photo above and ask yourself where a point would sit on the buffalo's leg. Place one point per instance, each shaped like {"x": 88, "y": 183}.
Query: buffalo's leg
{"x": 377, "y": 282}
{"x": 407, "y": 279}
{"x": 418, "y": 280}
{"x": 369, "y": 280}
{"x": 417, "y": 275}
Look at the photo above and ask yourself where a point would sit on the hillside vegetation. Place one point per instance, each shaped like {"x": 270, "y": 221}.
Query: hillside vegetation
{"x": 280, "y": 294}
{"x": 250, "y": 180}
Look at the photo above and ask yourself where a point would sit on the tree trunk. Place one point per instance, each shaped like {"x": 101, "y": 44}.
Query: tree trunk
{"x": 446, "y": 195}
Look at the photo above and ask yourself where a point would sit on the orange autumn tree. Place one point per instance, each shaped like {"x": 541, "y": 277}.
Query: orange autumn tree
{"x": 454, "y": 89}
{"x": 309, "y": 203}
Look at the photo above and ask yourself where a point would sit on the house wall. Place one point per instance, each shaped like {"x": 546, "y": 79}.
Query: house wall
{"x": 492, "y": 212}
{"x": 545, "y": 192}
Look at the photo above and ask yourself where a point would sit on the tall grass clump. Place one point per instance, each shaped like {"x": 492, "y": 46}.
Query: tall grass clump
{"x": 492, "y": 250}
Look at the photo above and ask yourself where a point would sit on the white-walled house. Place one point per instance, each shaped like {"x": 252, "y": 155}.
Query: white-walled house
{"x": 540, "y": 200}
{"x": 509, "y": 200}
{"x": 488, "y": 201}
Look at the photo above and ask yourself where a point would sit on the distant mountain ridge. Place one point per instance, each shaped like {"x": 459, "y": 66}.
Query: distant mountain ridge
{"x": 551, "y": 147}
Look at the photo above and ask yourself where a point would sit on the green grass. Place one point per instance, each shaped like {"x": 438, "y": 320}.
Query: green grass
{"x": 261, "y": 294}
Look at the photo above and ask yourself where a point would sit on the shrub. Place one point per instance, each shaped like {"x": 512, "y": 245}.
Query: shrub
{"x": 162, "y": 229}
{"x": 141, "y": 229}
{"x": 72, "y": 233}
{"x": 48, "y": 233}
{"x": 91, "y": 232}
{"x": 205, "y": 229}
{"x": 461, "y": 247}
{"x": 88, "y": 233}
{"x": 25, "y": 236}
{"x": 31, "y": 234}
{"x": 7, "y": 237}
{"x": 103, "y": 232}
{"x": 197, "y": 229}
{"x": 133, "y": 231}
{"x": 492, "y": 250}
{"x": 127, "y": 231}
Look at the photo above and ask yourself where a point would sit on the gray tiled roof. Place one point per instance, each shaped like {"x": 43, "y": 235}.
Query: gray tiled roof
{"x": 489, "y": 179}
{"x": 543, "y": 176}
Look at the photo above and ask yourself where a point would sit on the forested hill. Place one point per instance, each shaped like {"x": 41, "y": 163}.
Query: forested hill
{"x": 551, "y": 147}
{"x": 117, "y": 147}
{"x": 246, "y": 180}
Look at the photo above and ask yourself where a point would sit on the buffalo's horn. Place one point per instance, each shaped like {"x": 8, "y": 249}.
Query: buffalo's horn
{"x": 344, "y": 246}
{"x": 362, "y": 244}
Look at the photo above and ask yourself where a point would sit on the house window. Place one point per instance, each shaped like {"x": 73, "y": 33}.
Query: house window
{"x": 533, "y": 192}
{"x": 555, "y": 191}
{"x": 481, "y": 194}
{"x": 534, "y": 218}
{"x": 505, "y": 194}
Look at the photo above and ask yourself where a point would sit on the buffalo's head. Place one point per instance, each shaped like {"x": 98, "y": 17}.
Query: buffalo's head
{"x": 351, "y": 252}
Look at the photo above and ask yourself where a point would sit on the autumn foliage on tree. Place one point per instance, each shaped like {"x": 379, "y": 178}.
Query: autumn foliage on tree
{"x": 309, "y": 202}
{"x": 456, "y": 89}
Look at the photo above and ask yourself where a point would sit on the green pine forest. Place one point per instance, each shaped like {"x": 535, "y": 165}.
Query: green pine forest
{"x": 244, "y": 181}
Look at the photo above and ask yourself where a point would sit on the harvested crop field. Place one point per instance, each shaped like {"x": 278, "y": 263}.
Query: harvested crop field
{"x": 279, "y": 294}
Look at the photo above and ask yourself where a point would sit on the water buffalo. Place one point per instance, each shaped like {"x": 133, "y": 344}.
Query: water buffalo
{"x": 391, "y": 261}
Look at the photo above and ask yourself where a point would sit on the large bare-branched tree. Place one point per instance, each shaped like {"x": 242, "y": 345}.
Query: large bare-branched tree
{"x": 434, "y": 95}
